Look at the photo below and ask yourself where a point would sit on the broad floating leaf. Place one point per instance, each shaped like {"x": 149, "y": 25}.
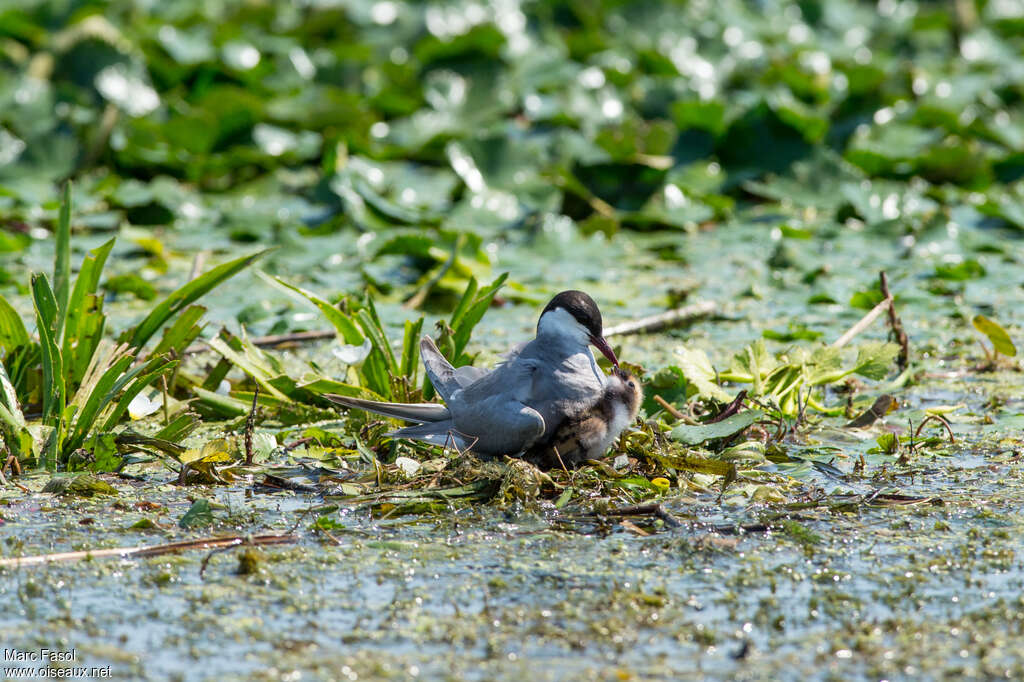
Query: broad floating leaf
{"x": 199, "y": 514}
{"x": 695, "y": 435}
{"x": 996, "y": 334}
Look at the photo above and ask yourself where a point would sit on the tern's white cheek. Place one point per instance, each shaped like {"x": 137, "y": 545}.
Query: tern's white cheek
{"x": 558, "y": 322}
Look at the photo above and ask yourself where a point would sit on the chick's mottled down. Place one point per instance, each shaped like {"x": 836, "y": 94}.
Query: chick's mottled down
{"x": 588, "y": 435}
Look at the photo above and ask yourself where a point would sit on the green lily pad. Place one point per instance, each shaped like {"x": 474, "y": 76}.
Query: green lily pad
{"x": 730, "y": 426}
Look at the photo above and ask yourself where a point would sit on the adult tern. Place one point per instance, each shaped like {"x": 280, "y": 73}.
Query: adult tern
{"x": 523, "y": 400}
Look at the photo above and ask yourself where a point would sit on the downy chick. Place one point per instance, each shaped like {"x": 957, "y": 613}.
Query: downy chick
{"x": 589, "y": 434}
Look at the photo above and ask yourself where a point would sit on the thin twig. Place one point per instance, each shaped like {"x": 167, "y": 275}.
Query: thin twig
{"x": 15, "y": 465}
{"x": 671, "y": 409}
{"x": 150, "y": 550}
{"x": 730, "y": 409}
{"x": 3, "y": 479}
{"x": 216, "y": 550}
{"x": 942, "y": 420}
{"x": 167, "y": 407}
{"x": 650, "y": 509}
{"x": 671, "y": 318}
{"x": 559, "y": 456}
{"x": 862, "y": 324}
{"x": 895, "y": 325}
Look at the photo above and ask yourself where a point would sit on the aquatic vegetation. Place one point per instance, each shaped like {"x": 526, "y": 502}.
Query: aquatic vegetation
{"x": 81, "y": 382}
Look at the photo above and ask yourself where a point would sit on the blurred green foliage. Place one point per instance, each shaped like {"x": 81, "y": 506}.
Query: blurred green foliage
{"x": 473, "y": 117}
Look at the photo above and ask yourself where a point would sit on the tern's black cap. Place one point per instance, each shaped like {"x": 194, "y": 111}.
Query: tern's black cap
{"x": 581, "y": 307}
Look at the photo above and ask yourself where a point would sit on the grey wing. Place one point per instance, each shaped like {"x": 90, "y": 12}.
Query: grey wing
{"x": 469, "y": 374}
{"x": 500, "y": 427}
{"x": 443, "y": 376}
{"x": 494, "y": 410}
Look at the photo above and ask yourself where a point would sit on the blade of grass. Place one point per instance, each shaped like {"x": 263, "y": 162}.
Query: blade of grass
{"x": 159, "y": 367}
{"x": 467, "y": 299}
{"x": 62, "y": 261}
{"x": 370, "y": 323}
{"x": 259, "y": 374}
{"x": 342, "y": 323}
{"x": 79, "y": 327}
{"x": 9, "y": 398}
{"x": 53, "y": 374}
{"x": 226, "y": 406}
{"x": 473, "y": 314}
{"x": 411, "y": 349}
{"x": 178, "y": 428}
{"x": 185, "y": 296}
{"x": 12, "y": 330}
{"x": 182, "y": 333}
{"x": 100, "y": 395}
{"x": 374, "y": 374}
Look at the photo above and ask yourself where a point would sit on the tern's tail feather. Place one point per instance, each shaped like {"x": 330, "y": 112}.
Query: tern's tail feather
{"x": 414, "y": 412}
{"x": 436, "y": 433}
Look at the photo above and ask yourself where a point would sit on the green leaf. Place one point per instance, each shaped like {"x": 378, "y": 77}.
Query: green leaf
{"x": 960, "y": 272}
{"x": 374, "y": 374}
{"x": 104, "y": 452}
{"x": 101, "y": 395}
{"x": 794, "y": 332}
{"x": 13, "y": 334}
{"x": 84, "y": 322}
{"x": 996, "y": 334}
{"x": 131, "y": 283}
{"x": 464, "y": 302}
{"x": 146, "y": 375}
{"x": 260, "y": 374}
{"x": 874, "y": 359}
{"x": 85, "y": 341}
{"x": 185, "y": 296}
{"x": 53, "y": 373}
{"x": 371, "y": 326}
{"x": 179, "y": 428}
{"x": 730, "y": 426}
{"x": 223, "y": 405}
{"x": 411, "y": 349}
{"x": 468, "y": 318}
{"x": 182, "y": 333}
{"x": 15, "y": 432}
{"x": 866, "y": 300}
{"x": 62, "y": 260}
{"x": 199, "y": 514}
{"x": 347, "y": 330}
{"x": 697, "y": 369}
